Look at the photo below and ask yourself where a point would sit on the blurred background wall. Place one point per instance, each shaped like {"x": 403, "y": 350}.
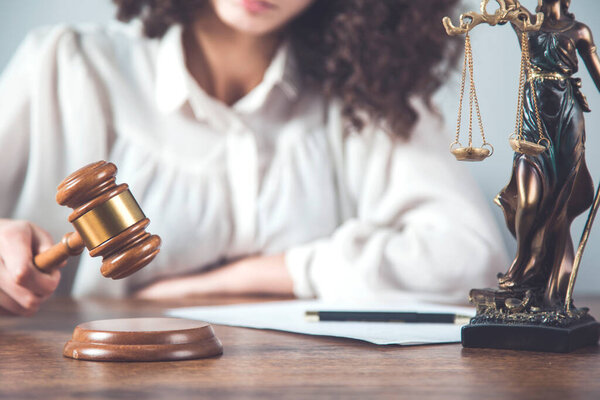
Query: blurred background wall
{"x": 496, "y": 56}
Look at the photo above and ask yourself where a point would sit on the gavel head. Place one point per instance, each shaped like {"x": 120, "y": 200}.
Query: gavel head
{"x": 108, "y": 219}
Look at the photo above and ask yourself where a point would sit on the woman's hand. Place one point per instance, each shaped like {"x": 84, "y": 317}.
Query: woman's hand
{"x": 23, "y": 287}
{"x": 515, "y": 5}
{"x": 252, "y": 275}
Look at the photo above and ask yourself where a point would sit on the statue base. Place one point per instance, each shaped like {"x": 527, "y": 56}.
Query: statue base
{"x": 531, "y": 337}
{"x": 514, "y": 319}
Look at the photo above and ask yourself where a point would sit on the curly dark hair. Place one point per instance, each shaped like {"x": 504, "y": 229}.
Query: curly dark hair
{"x": 374, "y": 55}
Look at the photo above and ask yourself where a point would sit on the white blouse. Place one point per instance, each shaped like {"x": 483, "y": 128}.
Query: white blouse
{"x": 356, "y": 215}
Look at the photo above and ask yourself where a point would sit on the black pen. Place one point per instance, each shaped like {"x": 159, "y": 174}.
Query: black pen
{"x": 386, "y": 316}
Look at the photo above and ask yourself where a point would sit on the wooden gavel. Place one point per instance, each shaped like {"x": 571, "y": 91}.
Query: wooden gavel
{"x": 107, "y": 220}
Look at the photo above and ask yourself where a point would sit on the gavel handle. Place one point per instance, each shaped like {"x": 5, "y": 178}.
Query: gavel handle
{"x": 70, "y": 245}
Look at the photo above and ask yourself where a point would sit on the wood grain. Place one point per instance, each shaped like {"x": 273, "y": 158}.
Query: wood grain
{"x": 264, "y": 364}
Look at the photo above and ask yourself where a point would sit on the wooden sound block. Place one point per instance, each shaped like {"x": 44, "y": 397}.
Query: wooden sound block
{"x": 143, "y": 339}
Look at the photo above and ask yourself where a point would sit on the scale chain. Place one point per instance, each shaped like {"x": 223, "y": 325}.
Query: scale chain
{"x": 526, "y": 68}
{"x": 468, "y": 64}
{"x": 462, "y": 89}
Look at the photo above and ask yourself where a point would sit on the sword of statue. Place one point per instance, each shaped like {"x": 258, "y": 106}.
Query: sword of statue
{"x": 582, "y": 242}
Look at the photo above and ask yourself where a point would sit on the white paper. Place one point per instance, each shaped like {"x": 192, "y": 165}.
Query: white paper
{"x": 289, "y": 316}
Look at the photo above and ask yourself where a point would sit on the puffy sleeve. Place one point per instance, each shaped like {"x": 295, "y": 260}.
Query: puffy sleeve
{"x": 15, "y": 108}
{"x": 52, "y": 121}
{"x": 415, "y": 223}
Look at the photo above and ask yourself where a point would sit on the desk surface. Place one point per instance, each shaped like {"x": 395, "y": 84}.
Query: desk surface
{"x": 267, "y": 364}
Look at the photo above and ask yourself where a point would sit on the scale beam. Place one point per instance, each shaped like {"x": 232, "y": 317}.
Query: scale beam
{"x": 513, "y": 14}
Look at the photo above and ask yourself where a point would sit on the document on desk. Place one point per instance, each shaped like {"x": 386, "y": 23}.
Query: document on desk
{"x": 289, "y": 316}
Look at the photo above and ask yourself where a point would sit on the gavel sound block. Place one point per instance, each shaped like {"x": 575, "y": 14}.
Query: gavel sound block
{"x": 143, "y": 339}
{"x": 109, "y": 222}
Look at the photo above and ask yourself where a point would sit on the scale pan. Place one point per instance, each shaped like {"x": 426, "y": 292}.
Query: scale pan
{"x": 470, "y": 153}
{"x": 526, "y": 147}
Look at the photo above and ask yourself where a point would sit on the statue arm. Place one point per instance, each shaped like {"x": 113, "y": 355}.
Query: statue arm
{"x": 587, "y": 51}
{"x": 514, "y": 4}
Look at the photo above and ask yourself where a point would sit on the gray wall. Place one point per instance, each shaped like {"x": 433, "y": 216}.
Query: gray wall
{"x": 496, "y": 54}
{"x": 20, "y": 16}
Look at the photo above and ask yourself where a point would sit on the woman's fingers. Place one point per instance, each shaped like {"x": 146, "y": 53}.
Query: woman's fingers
{"x": 27, "y": 300}
{"x": 42, "y": 240}
{"x": 11, "y": 307}
{"x": 23, "y": 288}
{"x": 18, "y": 240}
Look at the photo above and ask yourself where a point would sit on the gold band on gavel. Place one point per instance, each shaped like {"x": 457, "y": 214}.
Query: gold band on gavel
{"x": 108, "y": 219}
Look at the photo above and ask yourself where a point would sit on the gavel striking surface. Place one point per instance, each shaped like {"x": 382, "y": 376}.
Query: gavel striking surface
{"x": 143, "y": 339}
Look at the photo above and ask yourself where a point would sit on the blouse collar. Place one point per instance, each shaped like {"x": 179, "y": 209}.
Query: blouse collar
{"x": 175, "y": 86}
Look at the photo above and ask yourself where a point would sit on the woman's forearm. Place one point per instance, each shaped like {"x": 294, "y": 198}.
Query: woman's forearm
{"x": 252, "y": 275}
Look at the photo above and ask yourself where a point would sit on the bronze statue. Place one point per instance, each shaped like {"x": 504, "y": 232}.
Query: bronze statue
{"x": 550, "y": 185}
{"x": 547, "y": 191}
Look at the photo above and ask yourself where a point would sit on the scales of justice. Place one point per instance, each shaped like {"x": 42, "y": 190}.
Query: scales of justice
{"x": 550, "y": 185}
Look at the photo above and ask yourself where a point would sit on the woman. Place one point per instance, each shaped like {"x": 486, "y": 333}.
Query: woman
{"x": 547, "y": 191}
{"x": 279, "y": 147}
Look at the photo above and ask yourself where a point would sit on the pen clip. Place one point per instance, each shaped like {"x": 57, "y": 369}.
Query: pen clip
{"x": 312, "y": 316}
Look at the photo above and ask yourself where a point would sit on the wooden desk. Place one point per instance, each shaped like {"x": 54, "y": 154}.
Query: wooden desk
{"x": 264, "y": 364}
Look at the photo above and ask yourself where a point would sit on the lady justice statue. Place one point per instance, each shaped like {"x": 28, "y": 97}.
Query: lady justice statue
{"x": 550, "y": 185}
{"x": 547, "y": 191}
